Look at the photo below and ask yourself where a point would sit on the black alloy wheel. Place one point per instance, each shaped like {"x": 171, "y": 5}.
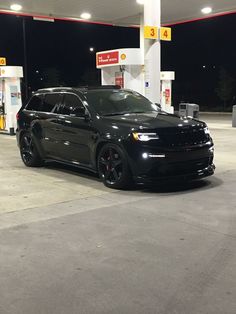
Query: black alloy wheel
{"x": 29, "y": 153}
{"x": 113, "y": 167}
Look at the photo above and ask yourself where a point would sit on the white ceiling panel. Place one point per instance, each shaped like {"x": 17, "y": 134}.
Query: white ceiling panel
{"x": 119, "y": 12}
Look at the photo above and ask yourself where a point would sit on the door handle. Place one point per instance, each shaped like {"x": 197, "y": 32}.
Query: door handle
{"x": 63, "y": 122}
{"x": 57, "y": 130}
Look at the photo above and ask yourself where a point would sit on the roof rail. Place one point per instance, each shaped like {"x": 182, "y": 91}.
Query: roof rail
{"x": 46, "y": 89}
{"x": 104, "y": 87}
{"x": 86, "y": 87}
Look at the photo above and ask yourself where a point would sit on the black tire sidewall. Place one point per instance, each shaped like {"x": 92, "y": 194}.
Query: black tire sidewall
{"x": 125, "y": 180}
{"x": 36, "y": 161}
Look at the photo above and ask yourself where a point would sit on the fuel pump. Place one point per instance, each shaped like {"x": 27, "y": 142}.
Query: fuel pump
{"x": 166, "y": 91}
{"x": 2, "y": 106}
{"x": 10, "y": 97}
{"x": 123, "y": 67}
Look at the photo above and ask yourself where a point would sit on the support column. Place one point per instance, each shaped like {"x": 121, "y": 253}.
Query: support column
{"x": 142, "y": 49}
{"x": 152, "y": 51}
{"x": 141, "y": 36}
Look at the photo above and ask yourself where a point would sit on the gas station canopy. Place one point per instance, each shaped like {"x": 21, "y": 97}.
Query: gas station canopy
{"x": 122, "y": 12}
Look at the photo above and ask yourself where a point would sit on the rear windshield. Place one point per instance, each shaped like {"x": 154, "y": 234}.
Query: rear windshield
{"x": 115, "y": 102}
{"x": 35, "y": 103}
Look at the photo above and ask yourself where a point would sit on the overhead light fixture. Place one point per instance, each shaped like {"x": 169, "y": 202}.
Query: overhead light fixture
{"x": 140, "y": 1}
{"x": 16, "y": 7}
{"x": 206, "y": 10}
{"x": 91, "y": 49}
{"x": 85, "y": 16}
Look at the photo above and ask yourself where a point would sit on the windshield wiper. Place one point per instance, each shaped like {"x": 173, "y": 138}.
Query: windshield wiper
{"x": 125, "y": 112}
{"x": 139, "y": 112}
{"x": 115, "y": 114}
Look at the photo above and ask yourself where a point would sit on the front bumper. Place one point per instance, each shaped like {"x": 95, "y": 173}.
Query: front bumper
{"x": 158, "y": 165}
{"x": 199, "y": 174}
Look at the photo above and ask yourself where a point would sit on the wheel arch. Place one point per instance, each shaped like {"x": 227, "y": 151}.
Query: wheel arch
{"x": 98, "y": 149}
{"x": 38, "y": 146}
{"x": 105, "y": 142}
{"x": 21, "y": 133}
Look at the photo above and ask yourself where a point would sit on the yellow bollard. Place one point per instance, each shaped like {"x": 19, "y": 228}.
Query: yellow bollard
{"x": 2, "y": 123}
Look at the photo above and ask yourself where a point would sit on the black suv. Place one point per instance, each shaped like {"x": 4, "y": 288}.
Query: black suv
{"x": 114, "y": 132}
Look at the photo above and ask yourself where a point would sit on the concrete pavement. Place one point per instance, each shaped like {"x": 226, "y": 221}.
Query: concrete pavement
{"x": 69, "y": 245}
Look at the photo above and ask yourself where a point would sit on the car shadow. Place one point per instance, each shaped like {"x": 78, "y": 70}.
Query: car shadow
{"x": 178, "y": 187}
{"x": 173, "y": 187}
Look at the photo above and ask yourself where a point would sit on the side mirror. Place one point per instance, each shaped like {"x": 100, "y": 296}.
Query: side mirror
{"x": 80, "y": 112}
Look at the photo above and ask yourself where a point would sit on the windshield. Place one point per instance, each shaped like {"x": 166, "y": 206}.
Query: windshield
{"x": 119, "y": 102}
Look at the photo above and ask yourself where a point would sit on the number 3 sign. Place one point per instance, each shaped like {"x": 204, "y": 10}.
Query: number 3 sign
{"x": 150, "y": 32}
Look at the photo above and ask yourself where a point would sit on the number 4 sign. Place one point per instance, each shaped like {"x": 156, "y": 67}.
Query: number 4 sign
{"x": 165, "y": 33}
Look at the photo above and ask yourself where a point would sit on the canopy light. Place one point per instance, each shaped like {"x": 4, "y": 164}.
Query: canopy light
{"x": 206, "y": 10}
{"x": 16, "y": 7}
{"x": 85, "y": 16}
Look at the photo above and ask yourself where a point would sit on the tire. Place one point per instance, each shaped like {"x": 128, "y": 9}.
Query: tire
{"x": 29, "y": 152}
{"x": 113, "y": 168}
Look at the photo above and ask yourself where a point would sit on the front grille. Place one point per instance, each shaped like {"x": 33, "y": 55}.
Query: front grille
{"x": 182, "y": 137}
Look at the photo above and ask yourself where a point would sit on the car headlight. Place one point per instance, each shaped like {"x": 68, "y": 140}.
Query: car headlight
{"x": 206, "y": 130}
{"x": 145, "y": 137}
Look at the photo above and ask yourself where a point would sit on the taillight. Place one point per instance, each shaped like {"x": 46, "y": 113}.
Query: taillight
{"x": 17, "y": 116}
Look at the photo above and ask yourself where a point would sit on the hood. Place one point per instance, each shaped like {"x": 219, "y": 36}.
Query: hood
{"x": 152, "y": 120}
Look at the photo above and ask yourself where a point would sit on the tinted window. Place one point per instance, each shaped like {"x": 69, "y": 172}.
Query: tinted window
{"x": 35, "y": 103}
{"x": 50, "y": 101}
{"x": 70, "y": 103}
{"x": 72, "y": 100}
{"x": 108, "y": 102}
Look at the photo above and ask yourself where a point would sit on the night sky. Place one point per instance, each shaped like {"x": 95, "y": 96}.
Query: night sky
{"x": 64, "y": 46}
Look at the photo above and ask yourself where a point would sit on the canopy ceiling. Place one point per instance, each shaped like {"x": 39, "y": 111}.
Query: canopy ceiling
{"x": 119, "y": 12}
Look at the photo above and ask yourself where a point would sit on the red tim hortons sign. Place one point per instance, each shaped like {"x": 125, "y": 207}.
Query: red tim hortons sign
{"x": 107, "y": 58}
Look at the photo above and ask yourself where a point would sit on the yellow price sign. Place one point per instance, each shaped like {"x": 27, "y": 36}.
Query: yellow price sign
{"x": 3, "y": 61}
{"x": 165, "y": 33}
{"x": 150, "y": 32}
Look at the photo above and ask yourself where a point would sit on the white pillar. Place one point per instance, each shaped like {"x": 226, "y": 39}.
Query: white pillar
{"x": 152, "y": 51}
{"x": 141, "y": 34}
{"x": 142, "y": 49}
